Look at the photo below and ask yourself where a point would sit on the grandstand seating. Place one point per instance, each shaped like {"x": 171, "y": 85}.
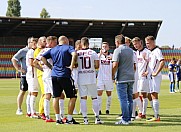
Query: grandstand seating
{"x": 6, "y": 67}
{"x": 8, "y": 71}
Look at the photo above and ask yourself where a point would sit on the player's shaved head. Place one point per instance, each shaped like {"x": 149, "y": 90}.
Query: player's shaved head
{"x": 63, "y": 40}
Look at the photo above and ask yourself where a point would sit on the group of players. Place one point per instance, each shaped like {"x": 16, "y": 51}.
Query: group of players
{"x": 57, "y": 68}
{"x": 174, "y": 74}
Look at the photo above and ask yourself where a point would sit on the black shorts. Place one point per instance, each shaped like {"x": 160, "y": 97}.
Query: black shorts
{"x": 66, "y": 84}
{"x": 23, "y": 84}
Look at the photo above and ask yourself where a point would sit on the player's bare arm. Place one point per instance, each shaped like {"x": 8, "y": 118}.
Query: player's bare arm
{"x": 37, "y": 65}
{"x": 44, "y": 60}
{"x": 159, "y": 68}
{"x": 74, "y": 60}
{"x": 114, "y": 69}
{"x": 15, "y": 64}
{"x": 96, "y": 64}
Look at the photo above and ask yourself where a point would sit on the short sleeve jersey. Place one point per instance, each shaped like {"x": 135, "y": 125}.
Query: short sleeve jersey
{"x": 36, "y": 52}
{"x": 124, "y": 56}
{"x": 61, "y": 57}
{"x": 105, "y": 68}
{"x": 46, "y": 69}
{"x": 142, "y": 61}
{"x": 20, "y": 56}
{"x": 155, "y": 58}
{"x": 86, "y": 69}
{"x": 30, "y": 55}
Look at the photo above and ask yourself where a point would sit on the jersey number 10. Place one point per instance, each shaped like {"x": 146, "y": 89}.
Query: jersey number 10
{"x": 86, "y": 62}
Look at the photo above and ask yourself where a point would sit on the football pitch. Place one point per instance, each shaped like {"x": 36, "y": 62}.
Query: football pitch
{"x": 170, "y": 113}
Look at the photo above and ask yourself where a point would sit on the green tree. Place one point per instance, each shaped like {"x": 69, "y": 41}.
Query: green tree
{"x": 14, "y": 8}
{"x": 44, "y": 14}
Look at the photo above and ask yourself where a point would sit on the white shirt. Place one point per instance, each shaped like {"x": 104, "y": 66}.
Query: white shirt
{"x": 136, "y": 63}
{"x": 105, "y": 68}
{"x": 155, "y": 58}
{"x": 86, "y": 69}
{"x": 142, "y": 61}
{"x": 46, "y": 69}
{"x": 30, "y": 70}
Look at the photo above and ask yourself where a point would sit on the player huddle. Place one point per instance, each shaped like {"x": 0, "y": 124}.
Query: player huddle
{"x": 60, "y": 69}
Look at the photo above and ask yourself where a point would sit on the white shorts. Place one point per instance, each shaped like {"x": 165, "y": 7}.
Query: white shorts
{"x": 48, "y": 85}
{"x": 105, "y": 85}
{"x": 135, "y": 89}
{"x": 154, "y": 84}
{"x": 32, "y": 84}
{"x": 143, "y": 85}
{"x": 88, "y": 90}
{"x": 75, "y": 77}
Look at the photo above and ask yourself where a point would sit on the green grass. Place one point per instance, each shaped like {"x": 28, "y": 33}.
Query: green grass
{"x": 170, "y": 112}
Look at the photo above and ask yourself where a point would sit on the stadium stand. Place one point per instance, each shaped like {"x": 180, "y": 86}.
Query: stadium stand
{"x": 7, "y": 70}
{"x": 6, "y": 67}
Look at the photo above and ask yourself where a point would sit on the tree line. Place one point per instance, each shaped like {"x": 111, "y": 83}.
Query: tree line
{"x": 14, "y": 10}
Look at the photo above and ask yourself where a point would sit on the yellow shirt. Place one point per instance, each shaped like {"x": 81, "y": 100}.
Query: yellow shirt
{"x": 36, "y": 52}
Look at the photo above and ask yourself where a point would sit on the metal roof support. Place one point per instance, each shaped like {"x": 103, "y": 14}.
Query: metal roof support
{"x": 46, "y": 33}
{"x": 159, "y": 25}
{"x": 14, "y": 28}
{"x": 123, "y": 27}
{"x": 87, "y": 28}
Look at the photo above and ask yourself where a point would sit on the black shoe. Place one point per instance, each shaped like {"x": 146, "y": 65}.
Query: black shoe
{"x": 100, "y": 113}
{"x": 58, "y": 122}
{"x": 107, "y": 112}
{"x": 72, "y": 121}
{"x": 136, "y": 113}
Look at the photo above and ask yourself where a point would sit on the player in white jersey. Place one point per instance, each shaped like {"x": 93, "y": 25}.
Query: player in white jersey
{"x": 142, "y": 56}
{"x": 47, "y": 81}
{"x": 104, "y": 78}
{"x": 31, "y": 77}
{"x": 78, "y": 46}
{"x": 88, "y": 61}
{"x": 136, "y": 98}
{"x": 156, "y": 64}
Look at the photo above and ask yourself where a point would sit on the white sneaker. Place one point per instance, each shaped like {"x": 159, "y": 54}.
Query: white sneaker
{"x": 138, "y": 118}
{"x": 119, "y": 118}
{"x": 132, "y": 118}
{"x": 86, "y": 122}
{"x": 35, "y": 116}
{"x": 19, "y": 112}
{"x": 98, "y": 121}
{"x": 122, "y": 122}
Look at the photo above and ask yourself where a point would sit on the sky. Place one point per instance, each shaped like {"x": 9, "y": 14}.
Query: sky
{"x": 169, "y": 11}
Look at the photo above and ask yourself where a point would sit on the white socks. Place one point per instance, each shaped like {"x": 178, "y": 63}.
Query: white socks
{"x": 28, "y": 104}
{"x": 95, "y": 107}
{"x": 61, "y": 105}
{"x": 108, "y": 102}
{"x": 145, "y": 104}
{"x": 32, "y": 104}
{"x": 156, "y": 107}
{"x": 99, "y": 101}
{"x": 134, "y": 108}
{"x": 47, "y": 108}
{"x": 139, "y": 104}
{"x": 83, "y": 107}
{"x": 57, "y": 117}
{"x": 69, "y": 117}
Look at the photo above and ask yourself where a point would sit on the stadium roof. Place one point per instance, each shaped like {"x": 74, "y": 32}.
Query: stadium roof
{"x": 76, "y": 28}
